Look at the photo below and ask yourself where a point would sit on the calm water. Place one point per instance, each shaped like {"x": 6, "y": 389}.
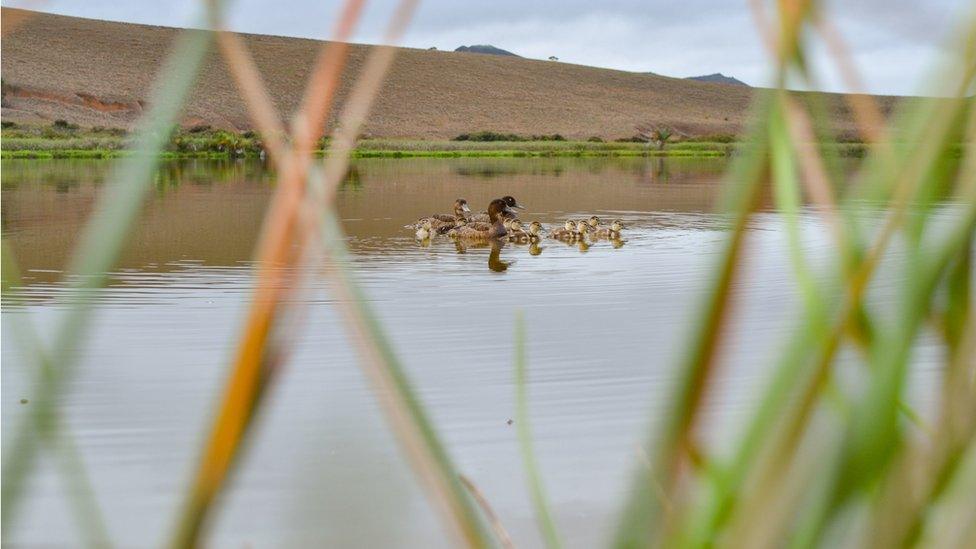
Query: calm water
{"x": 605, "y": 328}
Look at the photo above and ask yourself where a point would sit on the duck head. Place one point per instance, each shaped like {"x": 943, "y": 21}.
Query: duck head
{"x": 582, "y": 227}
{"x": 616, "y": 226}
{"x": 461, "y": 207}
{"x": 515, "y": 225}
{"x": 593, "y": 221}
{"x": 498, "y": 208}
{"x": 570, "y": 225}
{"x": 512, "y": 203}
{"x": 535, "y": 228}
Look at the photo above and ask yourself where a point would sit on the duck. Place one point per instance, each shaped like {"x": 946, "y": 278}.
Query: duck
{"x": 516, "y": 233}
{"x": 612, "y": 232}
{"x": 583, "y": 229}
{"x": 535, "y": 230}
{"x": 566, "y": 232}
{"x": 425, "y": 230}
{"x": 593, "y": 222}
{"x": 509, "y": 201}
{"x": 444, "y": 228}
{"x": 439, "y": 220}
{"x": 479, "y": 231}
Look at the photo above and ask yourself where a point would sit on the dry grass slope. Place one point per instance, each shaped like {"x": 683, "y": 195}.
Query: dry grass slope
{"x": 98, "y": 73}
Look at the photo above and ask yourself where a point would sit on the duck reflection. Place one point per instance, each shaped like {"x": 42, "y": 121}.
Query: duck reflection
{"x": 495, "y": 262}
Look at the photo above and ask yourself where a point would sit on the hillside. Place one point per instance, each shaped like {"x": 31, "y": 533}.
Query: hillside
{"x": 718, "y": 78}
{"x": 98, "y": 73}
{"x": 484, "y": 48}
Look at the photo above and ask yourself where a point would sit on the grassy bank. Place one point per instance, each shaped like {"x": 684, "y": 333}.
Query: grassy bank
{"x": 77, "y": 143}
{"x": 63, "y": 140}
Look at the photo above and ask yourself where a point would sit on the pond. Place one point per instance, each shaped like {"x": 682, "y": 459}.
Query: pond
{"x": 605, "y": 324}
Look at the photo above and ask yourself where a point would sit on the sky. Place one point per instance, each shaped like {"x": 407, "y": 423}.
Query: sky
{"x": 895, "y": 43}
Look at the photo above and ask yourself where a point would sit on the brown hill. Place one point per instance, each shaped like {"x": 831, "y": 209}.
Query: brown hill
{"x": 98, "y": 73}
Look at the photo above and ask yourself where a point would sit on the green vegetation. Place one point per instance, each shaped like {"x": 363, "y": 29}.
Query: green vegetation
{"x": 512, "y": 137}
{"x": 63, "y": 140}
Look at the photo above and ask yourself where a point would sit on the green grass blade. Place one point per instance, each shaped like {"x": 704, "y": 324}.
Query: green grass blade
{"x": 396, "y": 393}
{"x": 642, "y": 519}
{"x": 534, "y": 478}
{"x": 97, "y": 251}
{"x": 84, "y": 505}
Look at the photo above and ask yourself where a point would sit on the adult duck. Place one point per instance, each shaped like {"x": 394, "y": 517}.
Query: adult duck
{"x": 485, "y": 231}
{"x": 438, "y": 221}
{"x": 509, "y": 201}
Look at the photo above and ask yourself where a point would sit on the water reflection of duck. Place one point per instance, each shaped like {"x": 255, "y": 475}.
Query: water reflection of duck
{"x": 485, "y": 231}
{"x": 495, "y": 262}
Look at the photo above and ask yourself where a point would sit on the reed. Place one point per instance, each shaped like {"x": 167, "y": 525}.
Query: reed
{"x": 819, "y": 461}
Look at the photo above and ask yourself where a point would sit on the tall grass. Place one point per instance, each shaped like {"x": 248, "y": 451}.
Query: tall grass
{"x": 819, "y": 461}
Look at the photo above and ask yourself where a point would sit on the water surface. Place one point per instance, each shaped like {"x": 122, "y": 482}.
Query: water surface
{"x": 605, "y": 324}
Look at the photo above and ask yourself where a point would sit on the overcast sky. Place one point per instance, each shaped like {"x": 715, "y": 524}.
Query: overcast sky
{"x": 894, "y": 41}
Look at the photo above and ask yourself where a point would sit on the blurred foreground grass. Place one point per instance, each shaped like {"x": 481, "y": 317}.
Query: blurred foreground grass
{"x": 821, "y": 462}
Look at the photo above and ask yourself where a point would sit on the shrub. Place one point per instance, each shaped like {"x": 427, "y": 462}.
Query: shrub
{"x": 199, "y": 128}
{"x": 488, "y": 136}
{"x": 713, "y": 138}
{"x": 594, "y": 139}
{"x": 63, "y": 124}
{"x": 544, "y": 137}
{"x": 7, "y": 124}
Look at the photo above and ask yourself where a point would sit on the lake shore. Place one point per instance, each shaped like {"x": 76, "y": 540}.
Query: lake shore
{"x": 47, "y": 143}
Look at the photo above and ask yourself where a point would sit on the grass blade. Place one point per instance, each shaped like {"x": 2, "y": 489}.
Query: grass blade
{"x": 100, "y": 244}
{"x": 534, "y": 478}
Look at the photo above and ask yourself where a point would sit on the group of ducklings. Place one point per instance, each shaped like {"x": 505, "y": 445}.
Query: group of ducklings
{"x": 500, "y": 222}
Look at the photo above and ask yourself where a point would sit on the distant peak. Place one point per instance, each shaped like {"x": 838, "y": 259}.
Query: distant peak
{"x": 485, "y": 48}
{"x": 718, "y": 78}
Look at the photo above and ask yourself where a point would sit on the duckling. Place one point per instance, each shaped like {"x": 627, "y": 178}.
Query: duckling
{"x": 567, "y": 231}
{"x": 509, "y": 201}
{"x": 535, "y": 228}
{"x": 612, "y": 232}
{"x": 423, "y": 233}
{"x": 477, "y": 231}
{"x": 516, "y": 233}
{"x": 583, "y": 230}
{"x": 593, "y": 222}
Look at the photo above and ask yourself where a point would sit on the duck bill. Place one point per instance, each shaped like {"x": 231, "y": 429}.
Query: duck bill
{"x": 464, "y": 207}
{"x": 518, "y": 206}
